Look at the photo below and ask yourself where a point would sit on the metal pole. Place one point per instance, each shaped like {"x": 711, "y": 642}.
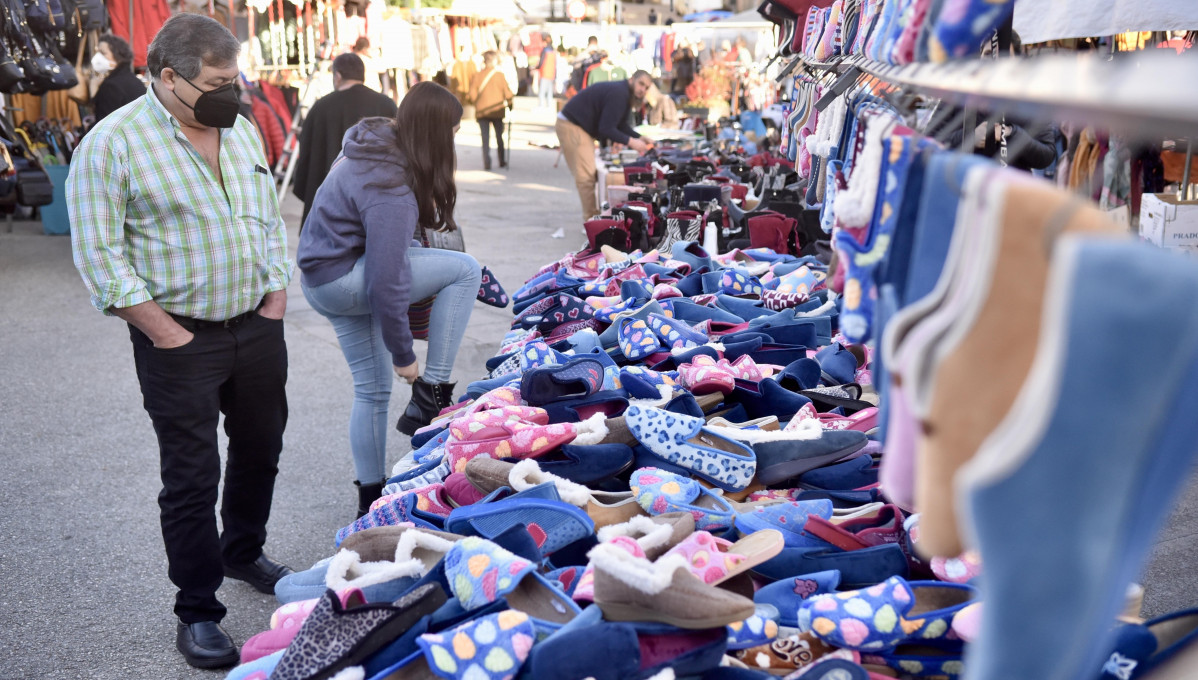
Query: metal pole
{"x": 131, "y": 3}
{"x": 1185, "y": 177}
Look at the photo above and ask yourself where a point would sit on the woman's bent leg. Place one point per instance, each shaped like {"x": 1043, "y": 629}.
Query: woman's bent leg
{"x": 454, "y": 278}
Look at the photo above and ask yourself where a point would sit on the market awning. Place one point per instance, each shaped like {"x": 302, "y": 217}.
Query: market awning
{"x": 1038, "y": 21}
{"x": 488, "y": 9}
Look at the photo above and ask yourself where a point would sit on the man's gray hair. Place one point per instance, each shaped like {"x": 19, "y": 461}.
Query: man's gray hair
{"x": 186, "y": 42}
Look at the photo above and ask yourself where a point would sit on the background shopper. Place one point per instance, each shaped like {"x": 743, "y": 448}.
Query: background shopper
{"x": 361, "y": 268}
{"x": 327, "y": 122}
{"x": 193, "y": 255}
{"x": 601, "y": 113}
{"x": 120, "y": 86}
{"x": 492, "y": 97}
{"x": 547, "y": 73}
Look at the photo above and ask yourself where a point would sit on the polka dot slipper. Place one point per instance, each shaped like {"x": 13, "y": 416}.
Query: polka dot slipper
{"x": 659, "y": 492}
{"x": 493, "y": 647}
{"x": 881, "y": 617}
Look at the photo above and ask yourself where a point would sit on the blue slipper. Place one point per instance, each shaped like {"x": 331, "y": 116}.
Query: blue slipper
{"x": 493, "y": 647}
{"x": 788, "y": 518}
{"x": 752, "y": 632}
{"x": 625, "y": 651}
{"x": 932, "y": 659}
{"x": 782, "y": 456}
{"x": 838, "y": 365}
{"x": 782, "y": 599}
{"x": 858, "y": 568}
{"x": 490, "y": 291}
{"x": 610, "y": 337}
{"x": 767, "y": 398}
{"x": 847, "y": 475}
{"x": 636, "y": 340}
{"x": 578, "y": 378}
{"x": 659, "y": 491}
{"x": 745, "y": 310}
{"x": 553, "y": 524}
{"x": 1139, "y": 648}
{"x": 480, "y": 572}
{"x": 803, "y": 374}
{"x": 738, "y": 282}
{"x": 645, "y": 383}
{"x": 687, "y": 442}
{"x": 588, "y": 464}
{"x": 675, "y": 334}
{"x": 880, "y": 617}
{"x": 693, "y": 254}
{"x": 610, "y": 403}
{"x": 688, "y": 310}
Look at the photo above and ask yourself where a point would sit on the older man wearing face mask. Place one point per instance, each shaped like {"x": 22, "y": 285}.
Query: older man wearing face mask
{"x": 176, "y": 230}
{"x": 114, "y": 60}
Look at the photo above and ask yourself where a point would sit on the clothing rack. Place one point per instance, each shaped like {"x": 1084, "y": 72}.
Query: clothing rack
{"x": 1138, "y": 95}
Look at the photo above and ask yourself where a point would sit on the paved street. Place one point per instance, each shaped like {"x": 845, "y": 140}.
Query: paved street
{"x": 83, "y": 587}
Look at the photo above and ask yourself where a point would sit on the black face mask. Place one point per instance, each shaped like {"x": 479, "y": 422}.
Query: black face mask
{"x": 216, "y": 108}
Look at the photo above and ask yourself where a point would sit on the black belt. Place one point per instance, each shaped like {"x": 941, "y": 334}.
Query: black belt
{"x": 202, "y": 324}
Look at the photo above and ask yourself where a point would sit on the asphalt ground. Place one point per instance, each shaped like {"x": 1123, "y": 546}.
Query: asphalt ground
{"x": 83, "y": 586}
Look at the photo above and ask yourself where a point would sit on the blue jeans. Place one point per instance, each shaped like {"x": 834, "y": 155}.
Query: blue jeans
{"x": 454, "y": 278}
{"x": 545, "y": 92}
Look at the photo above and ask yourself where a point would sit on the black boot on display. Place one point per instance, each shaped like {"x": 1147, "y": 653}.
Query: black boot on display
{"x": 367, "y": 494}
{"x": 427, "y": 401}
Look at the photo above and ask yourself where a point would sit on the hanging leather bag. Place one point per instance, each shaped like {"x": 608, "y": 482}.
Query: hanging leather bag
{"x": 81, "y": 92}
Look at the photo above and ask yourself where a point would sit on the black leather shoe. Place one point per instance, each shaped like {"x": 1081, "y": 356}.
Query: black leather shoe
{"x": 262, "y": 573}
{"x": 206, "y": 645}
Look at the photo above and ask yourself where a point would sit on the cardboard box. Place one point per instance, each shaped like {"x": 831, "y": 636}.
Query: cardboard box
{"x": 1169, "y": 222}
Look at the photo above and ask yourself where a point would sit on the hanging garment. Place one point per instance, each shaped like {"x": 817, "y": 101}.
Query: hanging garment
{"x": 278, "y": 103}
{"x": 272, "y": 128}
{"x": 148, "y": 17}
{"x": 395, "y": 46}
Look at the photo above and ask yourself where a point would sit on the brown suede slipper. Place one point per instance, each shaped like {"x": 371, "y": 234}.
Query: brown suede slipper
{"x": 985, "y": 358}
{"x": 630, "y": 588}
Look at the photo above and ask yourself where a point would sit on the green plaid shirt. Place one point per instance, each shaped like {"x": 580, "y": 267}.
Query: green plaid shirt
{"x": 150, "y": 221}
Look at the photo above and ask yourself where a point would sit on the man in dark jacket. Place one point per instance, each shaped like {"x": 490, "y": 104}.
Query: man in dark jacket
{"x": 600, "y": 112}
{"x": 327, "y": 122}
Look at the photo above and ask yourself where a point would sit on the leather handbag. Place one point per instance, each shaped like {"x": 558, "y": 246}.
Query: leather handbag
{"x": 34, "y": 187}
{"x": 39, "y": 15}
{"x": 45, "y": 73}
{"x": 81, "y": 92}
{"x": 11, "y": 75}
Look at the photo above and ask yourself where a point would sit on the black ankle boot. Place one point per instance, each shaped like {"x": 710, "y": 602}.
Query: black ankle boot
{"x": 367, "y": 494}
{"x": 486, "y": 161}
{"x": 427, "y": 401}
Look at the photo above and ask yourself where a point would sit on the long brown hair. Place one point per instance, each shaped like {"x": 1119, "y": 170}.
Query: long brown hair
{"x": 424, "y": 134}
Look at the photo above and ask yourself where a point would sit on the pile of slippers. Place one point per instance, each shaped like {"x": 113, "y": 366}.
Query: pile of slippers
{"x": 667, "y": 472}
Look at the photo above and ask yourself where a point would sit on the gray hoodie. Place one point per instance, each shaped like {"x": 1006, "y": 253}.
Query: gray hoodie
{"x": 351, "y": 217}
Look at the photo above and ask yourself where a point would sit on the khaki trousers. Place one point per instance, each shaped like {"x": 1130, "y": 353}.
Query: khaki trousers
{"x": 579, "y": 149}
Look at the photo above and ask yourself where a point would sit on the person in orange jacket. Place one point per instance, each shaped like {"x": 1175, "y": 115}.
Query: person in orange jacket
{"x": 492, "y": 97}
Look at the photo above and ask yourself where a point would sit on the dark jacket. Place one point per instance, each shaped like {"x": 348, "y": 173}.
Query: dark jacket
{"x": 323, "y": 129}
{"x": 1029, "y": 147}
{"x": 116, "y": 90}
{"x": 604, "y": 111}
{"x": 365, "y": 208}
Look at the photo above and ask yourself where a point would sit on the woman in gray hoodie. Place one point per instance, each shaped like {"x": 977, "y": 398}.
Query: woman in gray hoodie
{"x": 361, "y": 265}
